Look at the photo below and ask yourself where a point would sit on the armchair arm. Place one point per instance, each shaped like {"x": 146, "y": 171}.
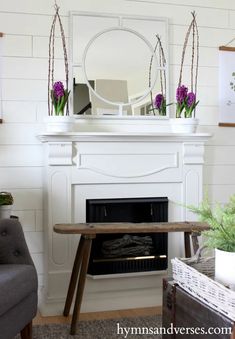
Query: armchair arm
{"x": 13, "y": 247}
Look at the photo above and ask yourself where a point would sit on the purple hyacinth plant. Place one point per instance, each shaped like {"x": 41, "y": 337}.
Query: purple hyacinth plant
{"x": 160, "y": 104}
{"x": 190, "y": 104}
{"x": 58, "y": 89}
{"x": 181, "y": 95}
{"x": 59, "y": 97}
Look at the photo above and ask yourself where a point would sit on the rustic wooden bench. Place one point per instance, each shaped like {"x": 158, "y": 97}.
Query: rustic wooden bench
{"x": 88, "y": 232}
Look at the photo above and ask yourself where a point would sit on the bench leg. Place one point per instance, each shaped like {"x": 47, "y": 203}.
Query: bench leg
{"x": 187, "y": 244}
{"x": 195, "y": 242}
{"x": 27, "y": 332}
{"x": 74, "y": 276}
{"x": 81, "y": 282}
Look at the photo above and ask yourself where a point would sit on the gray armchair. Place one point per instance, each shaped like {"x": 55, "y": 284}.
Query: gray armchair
{"x": 18, "y": 282}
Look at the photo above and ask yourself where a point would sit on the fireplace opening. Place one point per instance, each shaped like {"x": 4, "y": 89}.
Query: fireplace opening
{"x": 125, "y": 253}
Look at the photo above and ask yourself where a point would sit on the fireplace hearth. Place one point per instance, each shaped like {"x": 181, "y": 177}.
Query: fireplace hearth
{"x": 126, "y": 253}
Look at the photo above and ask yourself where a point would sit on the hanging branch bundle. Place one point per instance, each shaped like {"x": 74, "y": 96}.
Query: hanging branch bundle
{"x": 51, "y": 66}
{"x": 162, "y": 64}
{"x": 193, "y": 28}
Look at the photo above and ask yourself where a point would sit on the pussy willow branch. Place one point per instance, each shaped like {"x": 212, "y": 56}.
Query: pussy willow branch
{"x": 195, "y": 45}
{"x": 51, "y": 67}
{"x": 162, "y": 63}
{"x": 150, "y": 70}
{"x": 193, "y": 49}
{"x": 183, "y": 52}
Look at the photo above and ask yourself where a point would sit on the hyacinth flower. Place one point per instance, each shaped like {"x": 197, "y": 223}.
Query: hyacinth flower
{"x": 160, "y": 104}
{"x": 190, "y": 104}
{"x": 59, "y": 97}
{"x": 181, "y": 95}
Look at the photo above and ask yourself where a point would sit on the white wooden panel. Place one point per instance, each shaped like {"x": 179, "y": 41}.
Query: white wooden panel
{"x": 20, "y": 177}
{"x": 27, "y": 199}
{"x": 219, "y": 175}
{"x": 219, "y": 155}
{"x": 39, "y": 221}
{"x": 232, "y": 19}
{"x": 42, "y": 111}
{"x": 27, "y": 24}
{"x": 21, "y": 155}
{"x": 30, "y": 68}
{"x": 180, "y": 14}
{"x": 40, "y": 47}
{"x": 208, "y": 115}
{"x": 17, "y": 45}
{"x": 207, "y": 76}
{"x": 26, "y": 218}
{"x": 34, "y": 241}
{"x": 220, "y": 135}
{"x": 220, "y": 193}
{"x": 208, "y": 56}
{"x": 20, "y": 134}
{"x": 38, "y": 262}
{"x": 209, "y": 36}
{"x": 28, "y": 90}
{"x": 18, "y": 111}
{"x": 225, "y": 4}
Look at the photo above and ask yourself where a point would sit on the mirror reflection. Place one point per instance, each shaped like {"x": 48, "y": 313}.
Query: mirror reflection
{"x": 117, "y": 65}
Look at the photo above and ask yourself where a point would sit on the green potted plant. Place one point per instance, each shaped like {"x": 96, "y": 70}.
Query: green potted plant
{"x": 220, "y": 237}
{"x": 6, "y": 202}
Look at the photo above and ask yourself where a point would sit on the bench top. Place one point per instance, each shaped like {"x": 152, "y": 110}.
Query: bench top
{"x": 127, "y": 227}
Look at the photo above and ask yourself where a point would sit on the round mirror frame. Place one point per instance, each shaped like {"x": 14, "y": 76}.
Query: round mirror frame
{"x": 119, "y": 28}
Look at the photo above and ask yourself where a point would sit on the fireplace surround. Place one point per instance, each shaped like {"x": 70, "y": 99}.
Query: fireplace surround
{"x": 83, "y": 166}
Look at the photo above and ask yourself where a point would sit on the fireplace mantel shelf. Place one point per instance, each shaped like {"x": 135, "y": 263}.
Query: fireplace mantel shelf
{"x": 121, "y": 136}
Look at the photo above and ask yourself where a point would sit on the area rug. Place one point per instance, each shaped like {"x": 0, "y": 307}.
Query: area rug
{"x": 140, "y": 327}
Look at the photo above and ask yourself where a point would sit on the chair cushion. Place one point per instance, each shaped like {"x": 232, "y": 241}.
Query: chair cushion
{"x": 16, "y": 282}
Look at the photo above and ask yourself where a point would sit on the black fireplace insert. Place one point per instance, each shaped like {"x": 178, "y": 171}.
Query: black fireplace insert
{"x": 125, "y": 253}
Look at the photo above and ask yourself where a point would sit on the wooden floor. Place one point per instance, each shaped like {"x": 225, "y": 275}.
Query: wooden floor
{"x": 100, "y": 315}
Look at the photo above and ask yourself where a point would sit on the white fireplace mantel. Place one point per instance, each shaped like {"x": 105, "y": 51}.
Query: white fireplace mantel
{"x": 121, "y": 136}
{"x": 92, "y": 165}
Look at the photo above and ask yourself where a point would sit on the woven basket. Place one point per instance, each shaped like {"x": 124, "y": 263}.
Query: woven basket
{"x": 195, "y": 275}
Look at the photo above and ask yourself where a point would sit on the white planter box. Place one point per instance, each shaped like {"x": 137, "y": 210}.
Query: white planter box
{"x": 59, "y": 123}
{"x": 184, "y": 125}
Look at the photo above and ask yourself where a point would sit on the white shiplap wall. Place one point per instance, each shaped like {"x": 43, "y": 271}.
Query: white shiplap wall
{"x": 26, "y": 25}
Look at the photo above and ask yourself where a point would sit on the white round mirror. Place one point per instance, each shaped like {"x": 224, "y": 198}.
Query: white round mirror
{"x": 116, "y": 66}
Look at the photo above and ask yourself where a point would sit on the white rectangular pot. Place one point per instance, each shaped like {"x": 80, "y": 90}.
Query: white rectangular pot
{"x": 184, "y": 125}
{"x": 59, "y": 123}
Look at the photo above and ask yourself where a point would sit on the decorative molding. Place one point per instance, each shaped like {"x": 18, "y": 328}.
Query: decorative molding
{"x": 171, "y": 162}
{"x": 60, "y": 153}
{"x": 193, "y": 153}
